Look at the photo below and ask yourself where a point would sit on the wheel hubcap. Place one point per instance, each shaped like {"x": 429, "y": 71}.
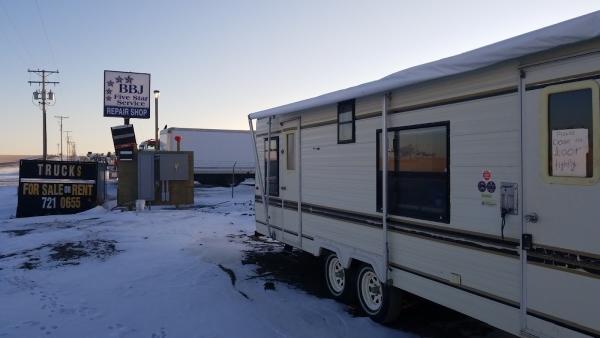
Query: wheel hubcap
{"x": 371, "y": 291}
{"x": 336, "y": 275}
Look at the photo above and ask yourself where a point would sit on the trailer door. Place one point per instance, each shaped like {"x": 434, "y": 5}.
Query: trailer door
{"x": 561, "y": 197}
{"x": 290, "y": 192}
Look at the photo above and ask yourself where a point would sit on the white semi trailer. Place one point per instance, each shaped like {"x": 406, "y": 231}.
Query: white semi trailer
{"x": 220, "y": 155}
{"x": 482, "y": 196}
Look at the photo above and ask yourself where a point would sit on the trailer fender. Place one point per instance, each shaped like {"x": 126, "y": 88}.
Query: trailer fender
{"x": 373, "y": 260}
{"x": 341, "y": 251}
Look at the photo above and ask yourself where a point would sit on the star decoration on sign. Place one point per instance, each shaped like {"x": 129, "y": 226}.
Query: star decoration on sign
{"x": 119, "y": 79}
{"x": 109, "y": 91}
{"x": 108, "y": 98}
{"x": 110, "y": 83}
{"x": 128, "y": 79}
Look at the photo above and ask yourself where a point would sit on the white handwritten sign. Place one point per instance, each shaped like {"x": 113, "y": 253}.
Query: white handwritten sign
{"x": 569, "y": 151}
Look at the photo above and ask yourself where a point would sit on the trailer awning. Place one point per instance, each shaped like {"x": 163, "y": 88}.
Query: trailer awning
{"x": 579, "y": 29}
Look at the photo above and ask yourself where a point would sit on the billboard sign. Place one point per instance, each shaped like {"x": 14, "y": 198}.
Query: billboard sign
{"x": 126, "y": 94}
{"x": 56, "y": 187}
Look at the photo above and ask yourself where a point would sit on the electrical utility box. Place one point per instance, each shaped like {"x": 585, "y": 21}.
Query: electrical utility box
{"x": 174, "y": 166}
{"x": 164, "y": 178}
{"x": 146, "y": 177}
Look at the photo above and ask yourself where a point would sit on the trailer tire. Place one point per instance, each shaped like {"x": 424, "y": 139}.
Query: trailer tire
{"x": 337, "y": 279}
{"x": 379, "y": 301}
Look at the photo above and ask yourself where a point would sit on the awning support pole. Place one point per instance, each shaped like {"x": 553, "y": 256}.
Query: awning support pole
{"x": 299, "y": 156}
{"x": 268, "y": 164}
{"x": 260, "y": 177}
{"x": 522, "y": 253}
{"x": 384, "y": 184}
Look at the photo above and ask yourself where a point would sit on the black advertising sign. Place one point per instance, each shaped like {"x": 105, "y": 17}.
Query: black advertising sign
{"x": 56, "y": 187}
{"x": 126, "y": 94}
{"x": 124, "y": 141}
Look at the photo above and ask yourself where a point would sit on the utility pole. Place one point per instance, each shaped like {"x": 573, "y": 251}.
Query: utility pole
{"x": 73, "y": 151}
{"x": 156, "y": 140}
{"x": 61, "y": 117}
{"x": 68, "y": 142}
{"x": 43, "y": 98}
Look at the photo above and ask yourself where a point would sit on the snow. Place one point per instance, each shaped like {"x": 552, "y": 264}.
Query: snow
{"x": 155, "y": 273}
{"x": 568, "y": 32}
{"x": 9, "y": 174}
{"x": 9, "y": 178}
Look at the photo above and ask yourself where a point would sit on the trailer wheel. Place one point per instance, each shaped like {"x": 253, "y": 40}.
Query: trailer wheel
{"x": 379, "y": 301}
{"x": 337, "y": 278}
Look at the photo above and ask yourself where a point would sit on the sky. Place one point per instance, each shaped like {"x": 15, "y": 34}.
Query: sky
{"x": 216, "y": 61}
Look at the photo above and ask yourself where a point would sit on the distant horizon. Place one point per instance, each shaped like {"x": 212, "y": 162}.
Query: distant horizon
{"x": 9, "y": 158}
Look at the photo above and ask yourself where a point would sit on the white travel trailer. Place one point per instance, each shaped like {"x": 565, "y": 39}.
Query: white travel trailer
{"x": 217, "y": 153}
{"x": 493, "y": 194}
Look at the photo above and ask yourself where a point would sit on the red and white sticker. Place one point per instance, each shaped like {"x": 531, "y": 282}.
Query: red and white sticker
{"x": 487, "y": 175}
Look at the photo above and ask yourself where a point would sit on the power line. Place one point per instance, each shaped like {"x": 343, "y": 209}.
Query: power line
{"x": 22, "y": 57}
{"x": 17, "y": 34}
{"x": 46, "y": 33}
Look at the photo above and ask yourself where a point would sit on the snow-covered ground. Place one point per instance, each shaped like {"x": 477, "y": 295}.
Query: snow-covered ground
{"x": 176, "y": 273}
{"x": 198, "y": 272}
{"x": 9, "y": 179}
{"x": 9, "y": 175}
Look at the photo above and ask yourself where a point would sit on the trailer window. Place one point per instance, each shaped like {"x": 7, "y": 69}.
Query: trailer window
{"x": 570, "y": 133}
{"x": 272, "y": 161}
{"x": 346, "y": 127}
{"x": 291, "y": 151}
{"x": 418, "y": 172}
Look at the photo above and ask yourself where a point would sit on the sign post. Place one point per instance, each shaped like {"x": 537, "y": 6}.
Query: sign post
{"x": 126, "y": 95}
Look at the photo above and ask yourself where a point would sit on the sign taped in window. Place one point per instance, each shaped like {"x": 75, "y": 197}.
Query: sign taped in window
{"x": 569, "y": 152}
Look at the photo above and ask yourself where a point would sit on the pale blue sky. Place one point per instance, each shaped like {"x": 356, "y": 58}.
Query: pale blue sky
{"x": 216, "y": 61}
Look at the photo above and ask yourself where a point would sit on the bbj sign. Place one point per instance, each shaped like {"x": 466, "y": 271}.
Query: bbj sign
{"x": 126, "y": 94}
